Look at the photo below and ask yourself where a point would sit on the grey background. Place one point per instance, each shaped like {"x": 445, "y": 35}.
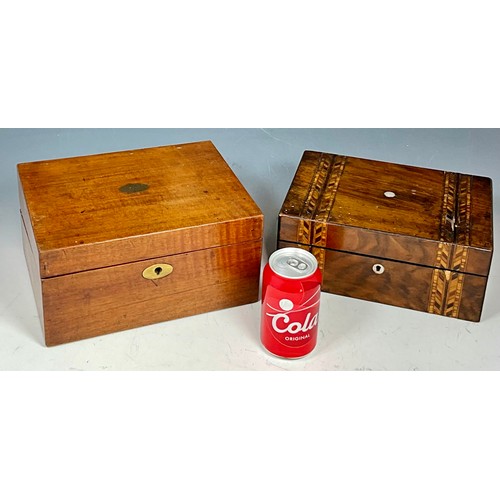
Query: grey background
{"x": 265, "y": 161}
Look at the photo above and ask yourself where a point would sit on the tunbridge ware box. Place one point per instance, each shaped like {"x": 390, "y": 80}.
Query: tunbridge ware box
{"x": 401, "y": 235}
{"x": 120, "y": 240}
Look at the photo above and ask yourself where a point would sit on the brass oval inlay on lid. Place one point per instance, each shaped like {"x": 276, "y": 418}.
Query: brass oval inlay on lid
{"x": 134, "y": 188}
{"x": 157, "y": 271}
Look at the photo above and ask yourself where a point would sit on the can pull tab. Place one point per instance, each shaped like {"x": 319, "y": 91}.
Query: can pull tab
{"x": 297, "y": 263}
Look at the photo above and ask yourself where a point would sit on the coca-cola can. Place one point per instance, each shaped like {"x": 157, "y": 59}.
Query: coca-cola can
{"x": 291, "y": 290}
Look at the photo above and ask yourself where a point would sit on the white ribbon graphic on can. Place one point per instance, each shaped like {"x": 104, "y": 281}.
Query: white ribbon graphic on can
{"x": 281, "y": 319}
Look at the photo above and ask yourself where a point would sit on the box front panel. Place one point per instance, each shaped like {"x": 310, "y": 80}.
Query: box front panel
{"x": 422, "y": 288}
{"x": 92, "y": 303}
{"x": 377, "y": 280}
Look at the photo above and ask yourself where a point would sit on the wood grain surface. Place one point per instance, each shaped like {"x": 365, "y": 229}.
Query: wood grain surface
{"x": 82, "y": 220}
{"x": 93, "y": 225}
{"x": 433, "y": 229}
{"x": 91, "y": 303}
{"x": 352, "y": 212}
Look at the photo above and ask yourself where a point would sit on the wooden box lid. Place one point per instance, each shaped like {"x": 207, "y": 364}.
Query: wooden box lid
{"x": 101, "y": 210}
{"x": 410, "y": 214}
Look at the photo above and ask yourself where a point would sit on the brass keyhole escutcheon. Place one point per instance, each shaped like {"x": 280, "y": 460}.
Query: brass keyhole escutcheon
{"x": 157, "y": 271}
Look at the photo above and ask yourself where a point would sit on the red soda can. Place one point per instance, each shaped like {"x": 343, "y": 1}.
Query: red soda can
{"x": 291, "y": 289}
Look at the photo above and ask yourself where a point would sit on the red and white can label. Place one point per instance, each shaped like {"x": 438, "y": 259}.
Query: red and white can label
{"x": 293, "y": 320}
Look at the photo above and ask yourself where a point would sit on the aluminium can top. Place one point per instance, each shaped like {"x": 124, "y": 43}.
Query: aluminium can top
{"x": 293, "y": 263}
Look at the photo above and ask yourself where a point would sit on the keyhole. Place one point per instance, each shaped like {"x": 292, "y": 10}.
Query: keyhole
{"x": 378, "y": 268}
{"x": 157, "y": 271}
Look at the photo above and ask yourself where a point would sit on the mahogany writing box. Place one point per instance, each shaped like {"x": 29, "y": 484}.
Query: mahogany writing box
{"x": 120, "y": 240}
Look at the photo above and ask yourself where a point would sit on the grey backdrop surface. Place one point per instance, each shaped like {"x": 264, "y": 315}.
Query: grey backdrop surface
{"x": 265, "y": 161}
